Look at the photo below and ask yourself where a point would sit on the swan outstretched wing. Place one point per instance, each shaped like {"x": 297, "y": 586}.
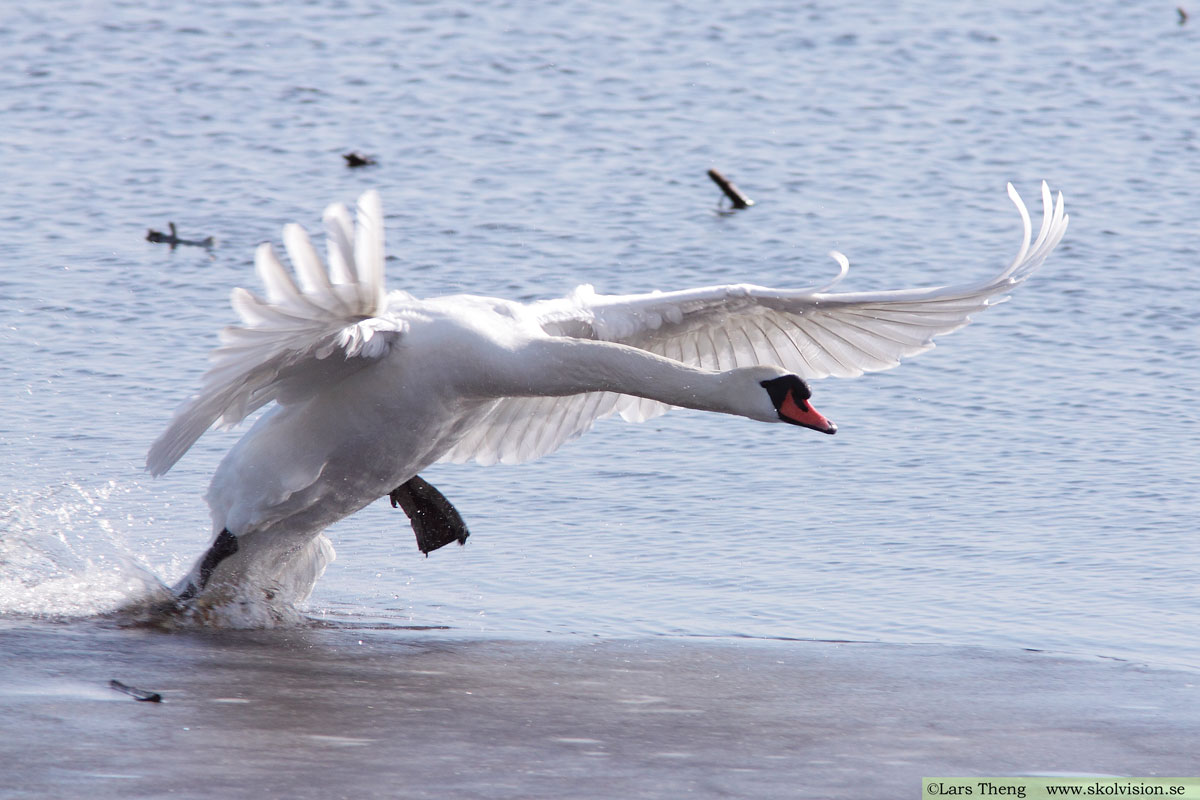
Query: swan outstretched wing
{"x": 306, "y": 333}
{"x": 519, "y": 429}
{"x": 811, "y": 332}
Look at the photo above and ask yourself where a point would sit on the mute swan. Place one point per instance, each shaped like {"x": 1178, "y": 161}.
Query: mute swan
{"x": 370, "y": 388}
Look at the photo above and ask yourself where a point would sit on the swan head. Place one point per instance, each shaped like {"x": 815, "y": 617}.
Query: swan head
{"x": 789, "y": 396}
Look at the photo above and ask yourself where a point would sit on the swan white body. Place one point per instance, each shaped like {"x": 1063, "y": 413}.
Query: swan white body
{"x": 371, "y": 388}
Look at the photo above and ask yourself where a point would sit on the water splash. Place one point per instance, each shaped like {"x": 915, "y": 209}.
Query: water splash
{"x": 264, "y": 595}
{"x": 65, "y": 552}
{"x": 72, "y": 551}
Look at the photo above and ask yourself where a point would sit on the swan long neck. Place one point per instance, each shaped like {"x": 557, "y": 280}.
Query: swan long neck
{"x": 562, "y": 366}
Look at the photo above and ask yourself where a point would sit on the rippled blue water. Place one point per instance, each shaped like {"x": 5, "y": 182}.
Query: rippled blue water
{"x": 1032, "y": 482}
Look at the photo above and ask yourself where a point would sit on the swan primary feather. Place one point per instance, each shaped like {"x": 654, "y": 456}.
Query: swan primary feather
{"x": 372, "y": 387}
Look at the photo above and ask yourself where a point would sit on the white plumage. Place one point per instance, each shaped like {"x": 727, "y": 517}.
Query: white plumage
{"x": 373, "y": 387}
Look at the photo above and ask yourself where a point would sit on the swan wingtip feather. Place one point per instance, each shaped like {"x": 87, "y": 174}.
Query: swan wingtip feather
{"x": 843, "y": 270}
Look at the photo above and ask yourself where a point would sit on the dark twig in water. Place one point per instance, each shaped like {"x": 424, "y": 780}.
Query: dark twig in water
{"x": 173, "y": 240}
{"x": 136, "y": 694}
{"x": 735, "y": 196}
{"x": 357, "y": 159}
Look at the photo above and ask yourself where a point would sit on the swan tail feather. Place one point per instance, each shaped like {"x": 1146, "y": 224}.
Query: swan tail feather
{"x": 308, "y": 318}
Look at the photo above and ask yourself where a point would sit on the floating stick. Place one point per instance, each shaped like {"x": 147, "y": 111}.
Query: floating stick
{"x": 136, "y": 694}
{"x": 735, "y": 196}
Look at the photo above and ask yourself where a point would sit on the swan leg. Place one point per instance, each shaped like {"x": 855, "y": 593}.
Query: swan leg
{"x": 225, "y": 545}
{"x": 434, "y": 520}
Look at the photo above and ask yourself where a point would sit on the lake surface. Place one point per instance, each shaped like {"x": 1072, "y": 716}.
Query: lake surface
{"x": 1032, "y": 483}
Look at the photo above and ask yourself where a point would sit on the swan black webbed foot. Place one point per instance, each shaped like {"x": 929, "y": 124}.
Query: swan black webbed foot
{"x": 434, "y": 520}
{"x": 225, "y": 545}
